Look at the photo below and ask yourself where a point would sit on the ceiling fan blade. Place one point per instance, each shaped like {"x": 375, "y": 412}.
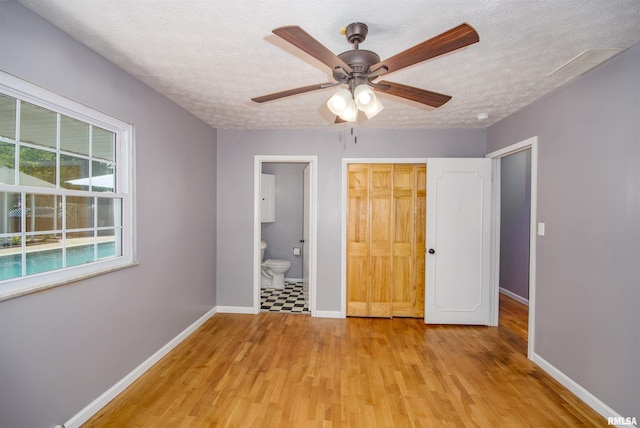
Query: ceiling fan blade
{"x": 455, "y": 38}
{"x": 304, "y": 41}
{"x": 422, "y": 96}
{"x": 290, "y": 92}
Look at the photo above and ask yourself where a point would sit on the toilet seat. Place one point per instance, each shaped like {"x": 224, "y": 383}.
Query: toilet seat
{"x": 277, "y": 263}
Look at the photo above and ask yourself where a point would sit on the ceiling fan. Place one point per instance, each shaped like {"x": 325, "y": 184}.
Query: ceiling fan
{"x": 358, "y": 69}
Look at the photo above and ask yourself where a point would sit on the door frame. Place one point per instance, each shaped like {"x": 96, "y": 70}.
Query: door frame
{"x": 530, "y": 143}
{"x": 312, "y": 160}
{"x": 345, "y": 191}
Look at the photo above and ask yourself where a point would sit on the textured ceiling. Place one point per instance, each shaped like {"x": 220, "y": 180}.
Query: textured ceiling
{"x": 212, "y": 56}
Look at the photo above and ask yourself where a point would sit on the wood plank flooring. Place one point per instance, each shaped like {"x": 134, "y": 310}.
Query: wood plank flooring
{"x": 514, "y": 316}
{"x": 280, "y": 370}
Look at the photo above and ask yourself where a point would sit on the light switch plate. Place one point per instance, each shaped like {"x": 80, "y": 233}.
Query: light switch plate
{"x": 540, "y": 229}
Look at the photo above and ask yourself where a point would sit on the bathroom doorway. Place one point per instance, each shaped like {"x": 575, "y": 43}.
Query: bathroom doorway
{"x": 292, "y": 234}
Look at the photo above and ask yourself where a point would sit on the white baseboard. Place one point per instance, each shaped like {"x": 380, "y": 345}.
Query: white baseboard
{"x": 514, "y": 296}
{"x": 591, "y": 400}
{"x": 235, "y": 309}
{"x": 328, "y": 314}
{"x": 293, "y": 279}
{"x": 249, "y": 310}
{"x": 83, "y": 415}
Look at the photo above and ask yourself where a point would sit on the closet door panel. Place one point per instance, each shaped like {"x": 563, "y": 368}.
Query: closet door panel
{"x": 403, "y": 210}
{"x": 385, "y": 240}
{"x": 420, "y": 231}
{"x": 358, "y": 275}
{"x": 380, "y": 246}
{"x": 358, "y": 267}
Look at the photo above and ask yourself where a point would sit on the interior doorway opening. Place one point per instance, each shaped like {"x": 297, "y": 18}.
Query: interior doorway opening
{"x": 515, "y": 224}
{"x": 304, "y": 248}
{"x": 519, "y": 258}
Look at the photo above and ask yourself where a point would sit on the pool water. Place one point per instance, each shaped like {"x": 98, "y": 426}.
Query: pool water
{"x": 48, "y": 260}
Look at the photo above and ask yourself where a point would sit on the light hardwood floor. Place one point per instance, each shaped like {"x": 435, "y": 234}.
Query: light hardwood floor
{"x": 276, "y": 370}
{"x": 514, "y": 316}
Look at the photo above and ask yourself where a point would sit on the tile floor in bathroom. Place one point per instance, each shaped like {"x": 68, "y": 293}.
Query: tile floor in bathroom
{"x": 291, "y": 299}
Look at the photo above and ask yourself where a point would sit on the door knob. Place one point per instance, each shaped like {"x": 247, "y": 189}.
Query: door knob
{"x": 432, "y": 251}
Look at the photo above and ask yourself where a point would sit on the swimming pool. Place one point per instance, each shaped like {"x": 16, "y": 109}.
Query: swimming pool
{"x": 48, "y": 260}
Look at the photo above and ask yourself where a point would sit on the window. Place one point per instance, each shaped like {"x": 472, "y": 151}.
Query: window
{"x": 65, "y": 190}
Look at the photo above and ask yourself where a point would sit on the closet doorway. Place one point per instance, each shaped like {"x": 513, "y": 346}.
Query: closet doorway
{"x": 385, "y": 238}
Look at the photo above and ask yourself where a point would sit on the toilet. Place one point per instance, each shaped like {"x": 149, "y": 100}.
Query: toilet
{"x": 273, "y": 270}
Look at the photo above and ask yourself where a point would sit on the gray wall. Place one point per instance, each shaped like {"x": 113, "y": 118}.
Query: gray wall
{"x": 236, "y": 151}
{"x": 62, "y": 348}
{"x": 515, "y": 213}
{"x": 286, "y": 232}
{"x": 587, "y": 288}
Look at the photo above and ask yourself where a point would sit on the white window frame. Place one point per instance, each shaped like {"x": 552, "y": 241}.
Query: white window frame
{"x": 124, "y": 185}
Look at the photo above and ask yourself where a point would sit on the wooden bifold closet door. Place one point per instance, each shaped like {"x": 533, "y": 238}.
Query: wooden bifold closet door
{"x": 386, "y": 240}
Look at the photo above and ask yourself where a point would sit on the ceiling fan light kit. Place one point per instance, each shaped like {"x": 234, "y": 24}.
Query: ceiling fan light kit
{"x": 359, "y": 69}
{"x": 350, "y": 113}
{"x": 364, "y": 97}
{"x": 339, "y": 101}
{"x": 374, "y": 109}
{"x": 367, "y": 101}
{"x": 346, "y": 106}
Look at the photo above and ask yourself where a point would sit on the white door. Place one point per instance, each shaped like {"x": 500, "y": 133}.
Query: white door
{"x": 306, "y": 190}
{"x": 458, "y": 241}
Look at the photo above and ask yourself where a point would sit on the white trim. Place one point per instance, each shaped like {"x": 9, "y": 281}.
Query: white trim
{"x": 343, "y": 239}
{"x": 384, "y": 160}
{"x": 234, "y": 309}
{"x": 591, "y": 400}
{"x": 8, "y": 295}
{"x": 531, "y": 143}
{"x": 495, "y": 243}
{"x": 83, "y": 415}
{"x": 514, "y": 296}
{"x": 312, "y": 160}
{"x": 514, "y": 148}
{"x": 34, "y": 94}
{"x": 329, "y": 314}
{"x": 125, "y": 162}
{"x": 257, "y": 233}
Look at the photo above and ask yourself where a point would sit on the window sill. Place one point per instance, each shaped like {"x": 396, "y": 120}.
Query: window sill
{"x": 8, "y": 295}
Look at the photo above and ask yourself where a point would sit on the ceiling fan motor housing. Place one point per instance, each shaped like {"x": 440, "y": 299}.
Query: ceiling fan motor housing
{"x": 360, "y": 60}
